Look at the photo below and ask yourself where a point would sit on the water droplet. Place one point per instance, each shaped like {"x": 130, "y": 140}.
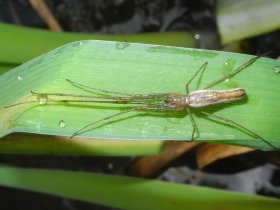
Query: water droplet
{"x": 62, "y": 124}
{"x": 42, "y": 99}
{"x": 110, "y": 166}
{"x": 121, "y": 45}
{"x": 229, "y": 63}
{"x": 197, "y": 36}
{"x": 19, "y": 78}
{"x": 276, "y": 69}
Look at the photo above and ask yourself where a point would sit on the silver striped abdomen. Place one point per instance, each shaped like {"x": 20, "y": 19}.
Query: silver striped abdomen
{"x": 202, "y": 98}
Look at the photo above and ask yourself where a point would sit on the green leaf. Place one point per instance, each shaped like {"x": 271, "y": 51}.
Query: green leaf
{"x": 129, "y": 193}
{"x": 55, "y": 145}
{"x": 239, "y": 19}
{"x": 20, "y": 44}
{"x": 135, "y": 69}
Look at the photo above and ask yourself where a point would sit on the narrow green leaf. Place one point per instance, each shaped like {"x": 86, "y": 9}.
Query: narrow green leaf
{"x": 55, "y": 145}
{"x": 20, "y": 44}
{"x": 129, "y": 193}
{"x": 239, "y": 19}
{"x": 134, "y": 69}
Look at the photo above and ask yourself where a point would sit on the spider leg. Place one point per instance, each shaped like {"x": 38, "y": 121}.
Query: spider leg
{"x": 231, "y": 122}
{"x": 196, "y": 73}
{"x": 143, "y": 108}
{"x": 232, "y": 72}
{"x": 194, "y": 127}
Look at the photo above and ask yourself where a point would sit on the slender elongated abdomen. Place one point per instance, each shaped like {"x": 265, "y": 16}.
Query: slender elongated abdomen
{"x": 202, "y": 98}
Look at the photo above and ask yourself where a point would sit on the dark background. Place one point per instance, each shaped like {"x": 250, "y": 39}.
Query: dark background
{"x": 253, "y": 173}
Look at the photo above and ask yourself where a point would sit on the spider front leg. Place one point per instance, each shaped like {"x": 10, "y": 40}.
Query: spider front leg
{"x": 196, "y": 73}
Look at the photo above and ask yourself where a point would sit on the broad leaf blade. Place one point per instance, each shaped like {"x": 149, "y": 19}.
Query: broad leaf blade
{"x": 134, "y": 69}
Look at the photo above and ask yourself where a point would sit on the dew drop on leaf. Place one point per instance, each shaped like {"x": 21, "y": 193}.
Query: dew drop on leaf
{"x": 42, "y": 99}
{"x": 62, "y": 124}
{"x": 276, "y": 69}
{"x": 19, "y": 78}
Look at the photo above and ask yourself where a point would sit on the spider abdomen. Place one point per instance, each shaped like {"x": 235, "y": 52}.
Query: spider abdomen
{"x": 202, "y": 98}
